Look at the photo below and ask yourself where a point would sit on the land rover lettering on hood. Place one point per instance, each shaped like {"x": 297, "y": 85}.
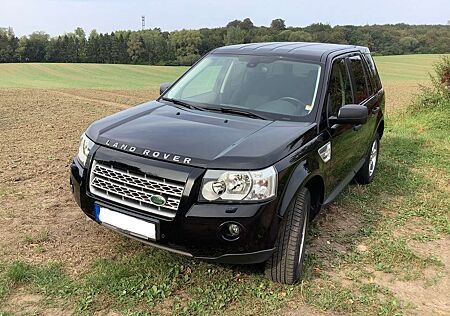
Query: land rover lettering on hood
{"x": 234, "y": 158}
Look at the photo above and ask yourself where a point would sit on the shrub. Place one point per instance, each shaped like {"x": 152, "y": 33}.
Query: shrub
{"x": 436, "y": 96}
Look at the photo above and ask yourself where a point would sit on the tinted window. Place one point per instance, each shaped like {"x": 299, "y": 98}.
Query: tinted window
{"x": 373, "y": 72}
{"x": 360, "y": 88}
{"x": 339, "y": 89}
{"x": 371, "y": 84}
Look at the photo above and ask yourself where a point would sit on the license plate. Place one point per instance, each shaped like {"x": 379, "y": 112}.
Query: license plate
{"x": 129, "y": 224}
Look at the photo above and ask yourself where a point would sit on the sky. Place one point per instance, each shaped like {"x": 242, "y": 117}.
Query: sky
{"x": 59, "y": 16}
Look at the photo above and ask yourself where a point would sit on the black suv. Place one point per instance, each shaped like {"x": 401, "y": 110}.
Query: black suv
{"x": 231, "y": 162}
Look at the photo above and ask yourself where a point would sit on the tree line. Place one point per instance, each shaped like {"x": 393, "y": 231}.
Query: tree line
{"x": 184, "y": 47}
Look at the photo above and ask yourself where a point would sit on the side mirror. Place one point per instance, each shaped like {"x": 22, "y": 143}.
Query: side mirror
{"x": 164, "y": 86}
{"x": 354, "y": 114}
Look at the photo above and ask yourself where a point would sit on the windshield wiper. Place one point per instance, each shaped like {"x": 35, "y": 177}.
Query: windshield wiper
{"x": 217, "y": 109}
{"x": 184, "y": 104}
{"x": 238, "y": 112}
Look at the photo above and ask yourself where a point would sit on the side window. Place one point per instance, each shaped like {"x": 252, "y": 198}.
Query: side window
{"x": 371, "y": 84}
{"x": 373, "y": 72}
{"x": 339, "y": 88}
{"x": 360, "y": 88}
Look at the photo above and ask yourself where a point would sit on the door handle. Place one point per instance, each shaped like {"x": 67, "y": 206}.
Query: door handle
{"x": 357, "y": 127}
{"x": 375, "y": 110}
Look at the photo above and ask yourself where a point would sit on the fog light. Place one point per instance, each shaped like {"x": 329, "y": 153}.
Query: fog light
{"x": 231, "y": 231}
{"x": 234, "y": 230}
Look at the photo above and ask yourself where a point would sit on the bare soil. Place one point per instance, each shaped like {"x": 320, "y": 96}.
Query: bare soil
{"x": 40, "y": 131}
{"x": 300, "y": 309}
{"x": 401, "y": 93}
{"x": 21, "y": 303}
{"x": 429, "y": 295}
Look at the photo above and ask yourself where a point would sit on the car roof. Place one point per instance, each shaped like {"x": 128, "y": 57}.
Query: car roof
{"x": 316, "y": 52}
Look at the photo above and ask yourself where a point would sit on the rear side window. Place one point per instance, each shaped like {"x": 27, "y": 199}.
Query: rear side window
{"x": 339, "y": 89}
{"x": 373, "y": 73}
{"x": 360, "y": 84}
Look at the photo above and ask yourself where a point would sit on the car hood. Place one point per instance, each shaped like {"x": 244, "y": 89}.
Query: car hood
{"x": 198, "y": 138}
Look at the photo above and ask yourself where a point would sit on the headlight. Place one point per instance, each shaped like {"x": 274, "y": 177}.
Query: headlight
{"x": 84, "y": 149}
{"x": 239, "y": 185}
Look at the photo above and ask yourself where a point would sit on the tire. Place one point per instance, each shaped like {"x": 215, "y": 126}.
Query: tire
{"x": 285, "y": 265}
{"x": 367, "y": 172}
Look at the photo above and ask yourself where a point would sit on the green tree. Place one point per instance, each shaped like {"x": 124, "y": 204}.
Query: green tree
{"x": 70, "y": 48}
{"x": 235, "y": 23}
{"x": 210, "y": 39}
{"x": 321, "y": 32}
{"x": 247, "y": 24}
{"x": 235, "y": 35}
{"x": 105, "y": 47}
{"x": 278, "y": 25}
{"x": 300, "y": 36}
{"x": 80, "y": 38}
{"x": 123, "y": 57}
{"x": 79, "y": 33}
{"x": 283, "y": 36}
{"x": 8, "y": 45}
{"x": 93, "y": 48}
{"x": 135, "y": 48}
{"x": 33, "y": 48}
{"x": 409, "y": 44}
{"x": 155, "y": 45}
{"x": 186, "y": 44}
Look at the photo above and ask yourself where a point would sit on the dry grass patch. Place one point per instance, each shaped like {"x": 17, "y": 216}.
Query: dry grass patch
{"x": 400, "y": 93}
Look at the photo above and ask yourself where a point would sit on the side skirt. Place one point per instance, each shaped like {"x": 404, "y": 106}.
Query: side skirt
{"x": 344, "y": 183}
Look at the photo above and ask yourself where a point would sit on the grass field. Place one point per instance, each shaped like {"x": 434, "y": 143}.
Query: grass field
{"x": 92, "y": 76}
{"x": 405, "y": 68}
{"x": 382, "y": 249}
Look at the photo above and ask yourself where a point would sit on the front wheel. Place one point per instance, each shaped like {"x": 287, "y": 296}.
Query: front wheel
{"x": 367, "y": 172}
{"x": 285, "y": 265}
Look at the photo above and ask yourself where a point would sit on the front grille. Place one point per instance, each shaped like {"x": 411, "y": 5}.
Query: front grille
{"x": 136, "y": 189}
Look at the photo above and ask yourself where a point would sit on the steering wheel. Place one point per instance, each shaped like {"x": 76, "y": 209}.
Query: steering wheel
{"x": 293, "y": 101}
{"x": 296, "y": 102}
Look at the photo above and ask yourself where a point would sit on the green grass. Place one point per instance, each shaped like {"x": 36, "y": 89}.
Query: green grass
{"x": 48, "y": 280}
{"x": 405, "y": 67}
{"x": 92, "y": 76}
{"x": 99, "y": 76}
{"x": 140, "y": 282}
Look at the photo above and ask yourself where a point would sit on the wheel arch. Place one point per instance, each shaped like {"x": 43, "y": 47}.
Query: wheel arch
{"x": 303, "y": 177}
{"x": 316, "y": 187}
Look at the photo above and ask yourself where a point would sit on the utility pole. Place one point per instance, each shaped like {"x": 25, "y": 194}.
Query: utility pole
{"x": 143, "y": 22}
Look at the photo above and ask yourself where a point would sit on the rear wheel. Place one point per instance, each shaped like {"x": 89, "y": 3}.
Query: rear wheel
{"x": 285, "y": 265}
{"x": 367, "y": 172}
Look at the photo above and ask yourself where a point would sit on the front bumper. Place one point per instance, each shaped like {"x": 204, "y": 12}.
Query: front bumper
{"x": 196, "y": 230}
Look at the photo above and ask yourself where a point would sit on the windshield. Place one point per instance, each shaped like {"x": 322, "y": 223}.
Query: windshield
{"x": 260, "y": 84}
